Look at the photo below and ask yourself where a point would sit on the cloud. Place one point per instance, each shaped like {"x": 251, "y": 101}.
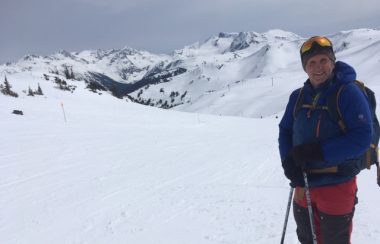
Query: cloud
{"x": 45, "y": 26}
{"x": 118, "y": 6}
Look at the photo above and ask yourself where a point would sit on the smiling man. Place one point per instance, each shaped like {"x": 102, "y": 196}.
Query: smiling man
{"x": 312, "y": 142}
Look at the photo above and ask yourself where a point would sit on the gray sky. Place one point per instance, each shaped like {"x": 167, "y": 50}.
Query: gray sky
{"x": 160, "y": 26}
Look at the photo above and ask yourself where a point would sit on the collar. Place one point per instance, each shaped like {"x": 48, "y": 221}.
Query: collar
{"x": 323, "y": 87}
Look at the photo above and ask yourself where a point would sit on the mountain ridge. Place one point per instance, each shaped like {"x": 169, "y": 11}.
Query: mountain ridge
{"x": 201, "y": 77}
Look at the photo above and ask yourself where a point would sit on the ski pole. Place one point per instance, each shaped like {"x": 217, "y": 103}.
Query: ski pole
{"x": 287, "y": 214}
{"x": 309, "y": 207}
{"x": 378, "y": 173}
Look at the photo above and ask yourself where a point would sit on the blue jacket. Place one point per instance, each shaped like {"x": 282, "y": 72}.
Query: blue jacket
{"x": 339, "y": 149}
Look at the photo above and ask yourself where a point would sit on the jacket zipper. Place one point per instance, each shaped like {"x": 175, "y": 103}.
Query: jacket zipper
{"x": 318, "y": 129}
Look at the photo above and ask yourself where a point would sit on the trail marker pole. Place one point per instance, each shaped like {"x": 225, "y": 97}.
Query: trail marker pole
{"x": 63, "y": 110}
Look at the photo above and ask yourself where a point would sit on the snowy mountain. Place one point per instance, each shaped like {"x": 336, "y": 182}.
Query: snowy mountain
{"x": 79, "y": 167}
{"x": 228, "y": 70}
{"x": 208, "y": 77}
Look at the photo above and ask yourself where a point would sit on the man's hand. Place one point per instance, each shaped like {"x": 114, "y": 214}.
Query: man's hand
{"x": 293, "y": 172}
{"x": 305, "y": 153}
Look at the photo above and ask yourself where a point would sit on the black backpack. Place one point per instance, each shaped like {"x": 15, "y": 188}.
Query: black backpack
{"x": 370, "y": 157}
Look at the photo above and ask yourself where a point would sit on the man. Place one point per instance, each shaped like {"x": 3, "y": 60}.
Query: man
{"x": 311, "y": 141}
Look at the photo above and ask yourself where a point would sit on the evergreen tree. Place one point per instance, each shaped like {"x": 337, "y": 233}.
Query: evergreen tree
{"x": 6, "y": 89}
{"x": 39, "y": 90}
{"x": 30, "y": 92}
{"x": 68, "y": 72}
{"x": 7, "y": 86}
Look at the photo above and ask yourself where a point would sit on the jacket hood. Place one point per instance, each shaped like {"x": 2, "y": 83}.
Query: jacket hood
{"x": 344, "y": 73}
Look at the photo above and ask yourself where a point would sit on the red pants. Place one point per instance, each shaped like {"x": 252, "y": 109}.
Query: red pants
{"x": 333, "y": 208}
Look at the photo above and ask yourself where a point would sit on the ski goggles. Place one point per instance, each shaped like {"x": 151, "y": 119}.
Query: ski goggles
{"x": 319, "y": 40}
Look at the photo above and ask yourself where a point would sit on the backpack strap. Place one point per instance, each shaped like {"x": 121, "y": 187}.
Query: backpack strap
{"x": 298, "y": 104}
{"x": 334, "y": 110}
{"x": 362, "y": 87}
{"x": 333, "y": 104}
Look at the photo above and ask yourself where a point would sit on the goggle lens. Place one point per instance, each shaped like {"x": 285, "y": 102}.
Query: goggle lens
{"x": 321, "y": 41}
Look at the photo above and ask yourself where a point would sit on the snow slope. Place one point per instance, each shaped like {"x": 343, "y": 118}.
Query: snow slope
{"x": 118, "y": 172}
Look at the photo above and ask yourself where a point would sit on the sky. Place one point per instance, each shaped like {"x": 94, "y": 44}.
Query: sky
{"x": 43, "y": 27}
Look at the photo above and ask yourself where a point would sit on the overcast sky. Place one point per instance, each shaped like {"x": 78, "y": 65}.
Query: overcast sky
{"x": 43, "y": 27}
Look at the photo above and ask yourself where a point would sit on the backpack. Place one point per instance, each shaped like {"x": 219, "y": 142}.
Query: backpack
{"x": 371, "y": 156}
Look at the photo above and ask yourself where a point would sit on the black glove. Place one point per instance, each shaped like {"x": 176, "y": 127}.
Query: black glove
{"x": 305, "y": 153}
{"x": 293, "y": 172}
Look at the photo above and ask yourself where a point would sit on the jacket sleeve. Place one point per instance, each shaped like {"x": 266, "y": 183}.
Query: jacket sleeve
{"x": 285, "y": 139}
{"x": 357, "y": 118}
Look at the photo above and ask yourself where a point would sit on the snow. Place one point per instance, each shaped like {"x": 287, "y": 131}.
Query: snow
{"x": 119, "y": 172}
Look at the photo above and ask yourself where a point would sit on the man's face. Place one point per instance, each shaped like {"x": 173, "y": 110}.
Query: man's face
{"x": 319, "y": 68}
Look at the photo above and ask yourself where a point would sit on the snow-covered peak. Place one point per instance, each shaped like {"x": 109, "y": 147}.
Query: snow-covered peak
{"x": 278, "y": 34}
{"x": 236, "y": 41}
{"x": 243, "y": 40}
{"x": 30, "y": 57}
{"x": 65, "y": 54}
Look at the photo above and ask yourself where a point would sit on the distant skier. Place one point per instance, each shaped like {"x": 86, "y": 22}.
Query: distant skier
{"x": 311, "y": 141}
